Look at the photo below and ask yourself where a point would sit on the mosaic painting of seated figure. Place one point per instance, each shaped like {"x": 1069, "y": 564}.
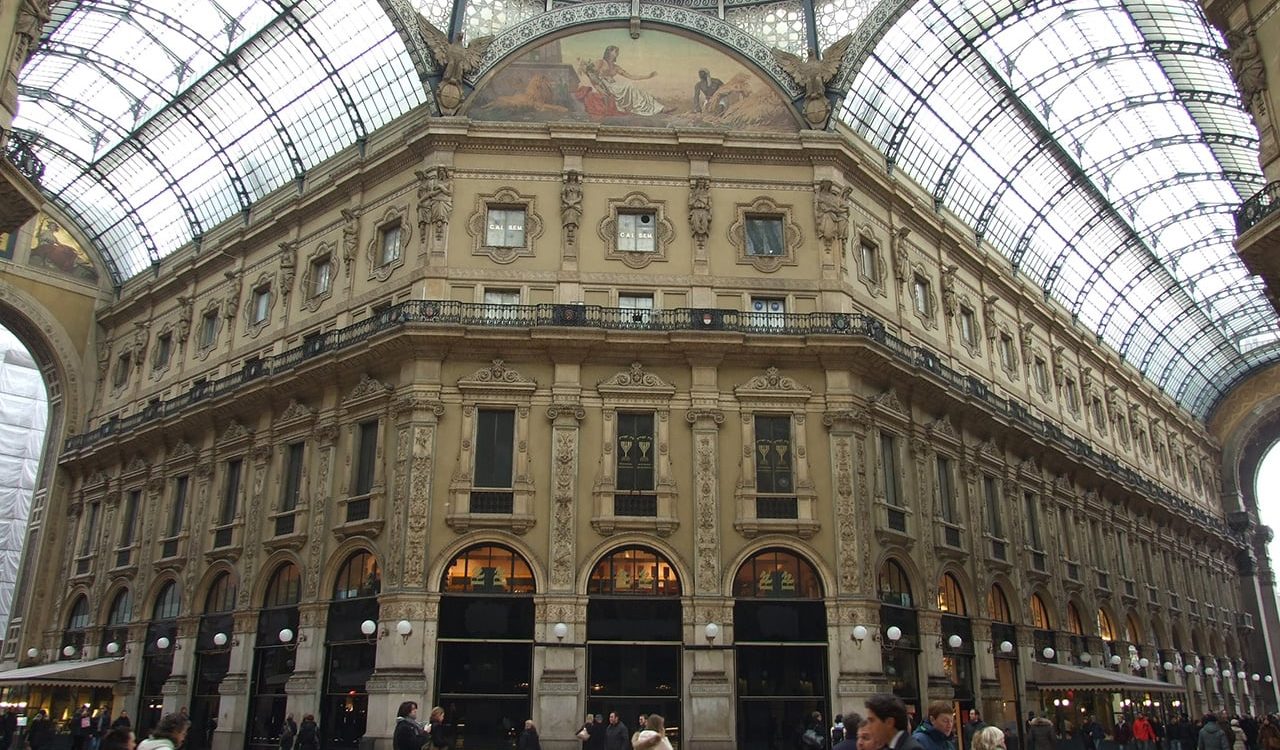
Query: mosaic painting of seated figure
{"x": 604, "y": 76}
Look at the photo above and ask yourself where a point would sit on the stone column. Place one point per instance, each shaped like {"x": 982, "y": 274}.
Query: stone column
{"x": 937, "y": 685}
{"x": 560, "y": 663}
{"x": 308, "y": 660}
{"x": 233, "y": 706}
{"x": 175, "y": 689}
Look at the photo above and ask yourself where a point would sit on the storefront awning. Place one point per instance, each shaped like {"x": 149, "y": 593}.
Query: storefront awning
{"x": 1062, "y": 676}
{"x": 93, "y": 673}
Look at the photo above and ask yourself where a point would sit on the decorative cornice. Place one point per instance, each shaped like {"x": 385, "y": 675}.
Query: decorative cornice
{"x": 368, "y": 388}
{"x": 235, "y": 432}
{"x": 773, "y": 382}
{"x": 635, "y": 379}
{"x": 499, "y": 375}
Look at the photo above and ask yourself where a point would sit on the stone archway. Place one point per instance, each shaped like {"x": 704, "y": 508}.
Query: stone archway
{"x": 61, "y": 366}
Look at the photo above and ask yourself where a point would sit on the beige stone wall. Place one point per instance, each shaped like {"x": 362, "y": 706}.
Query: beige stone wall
{"x": 424, "y": 382}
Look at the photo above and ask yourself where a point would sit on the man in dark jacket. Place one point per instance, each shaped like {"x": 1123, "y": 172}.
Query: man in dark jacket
{"x": 616, "y": 736}
{"x": 887, "y": 720}
{"x": 1211, "y": 735}
{"x": 936, "y": 732}
{"x": 596, "y": 732}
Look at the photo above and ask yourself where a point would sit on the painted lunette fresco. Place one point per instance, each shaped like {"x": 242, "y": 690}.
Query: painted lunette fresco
{"x": 604, "y": 76}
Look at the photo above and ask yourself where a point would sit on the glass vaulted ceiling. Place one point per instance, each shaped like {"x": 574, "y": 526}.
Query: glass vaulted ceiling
{"x": 1098, "y": 144}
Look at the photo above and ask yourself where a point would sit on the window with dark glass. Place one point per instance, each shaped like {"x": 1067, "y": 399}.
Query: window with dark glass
{"x": 897, "y": 609}
{"x": 889, "y": 475}
{"x": 117, "y": 630}
{"x": 485, "y": 644}
{"x": 635, "y": 468}
{"x": 991, "y": 496}
{"x": 292, "y": 487}
{"x": 273, "y": 659}
{"x": 157, "y": 663}
{"x": 1031, "y": 504}
{"x": 946, "y": 490}
{"x": 765, "y": 236}
{"x": 213, "y": 660}
{"x": 123, "y": 365}
{"x": 176, "y": 514}
{"x": 349, "y": 653}
{"x": 773, "y": 454}
{"x": 366, "y": 457}
{"x": 90, "y": 531}
{"x": 128, "y": 527}
{"x": 1069, "y": 392}
{"x": 495, "y": 448}
{"x": 74, "y": 635}
{"x": 231, "y": 492}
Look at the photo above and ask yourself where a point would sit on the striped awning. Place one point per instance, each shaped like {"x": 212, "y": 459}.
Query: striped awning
{"x": 1062, "y": 677}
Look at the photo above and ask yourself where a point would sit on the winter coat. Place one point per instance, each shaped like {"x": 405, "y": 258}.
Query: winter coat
{"x": 408, "y": 735}
{"x": 1040, "y": 735}
{"x": 308, "y": 735}
{"x": 932, "y": 738}
{"x": 616, "y": 737}
{"x": 156, "y": 743}
{"x": 529, "y": 740}
{"x": 1212, "y": 738}
{"x": 39, "y": 734}
{"x": 1142, "y": 730}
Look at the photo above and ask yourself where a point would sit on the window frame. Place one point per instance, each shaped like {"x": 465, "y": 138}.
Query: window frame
{"x": 636, "y": 390}
{"x": 380, "y": 265}
{"x": 635, "y": 203}
{"x": 775, "y": 394}
{"x": 792, "y": 235}
{"x": 496, "y": 387}
{"x": 504, "y": 199}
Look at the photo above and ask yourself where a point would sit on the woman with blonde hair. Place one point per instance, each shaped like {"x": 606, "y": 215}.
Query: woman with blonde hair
{"x": 654, "y": 735}
{"x": 988, "y": 738}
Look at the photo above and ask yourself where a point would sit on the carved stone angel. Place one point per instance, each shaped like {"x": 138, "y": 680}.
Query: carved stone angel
{"x": 455, "y": 59}
{"x": 812, "y": 75}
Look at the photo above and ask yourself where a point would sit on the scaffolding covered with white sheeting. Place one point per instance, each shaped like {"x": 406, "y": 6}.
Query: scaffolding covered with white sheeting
{"x": 24, "y": 415}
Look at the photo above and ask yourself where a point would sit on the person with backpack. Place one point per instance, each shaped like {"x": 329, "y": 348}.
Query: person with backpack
{"x": 308, "y": 734}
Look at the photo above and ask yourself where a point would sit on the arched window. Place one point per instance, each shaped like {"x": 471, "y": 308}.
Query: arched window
{"x": 893, "y": 585}
{"x": 221, "y": 596}
{"x": 484, "y": 643}
{"x": 779, "y": 618}
{"x": 950, "y": 598}
{"x": 1106, "y": 628}
{"x": 998, "y": 606}
{"x": 634, "y": 571}
{"x": 1075, "y": 626}
{"x": 488, "y": 569}
{"x": 285, "y": 589}
{"x": 359, "y": 577}
{"x": 79, "y": 618}
{"x": 1132, "y": 631}
{"x": 168, "y": 603}
{"x": 1040, "y": 614}
{"x": 121, "y": 610}
{"x": 777, "y": 574}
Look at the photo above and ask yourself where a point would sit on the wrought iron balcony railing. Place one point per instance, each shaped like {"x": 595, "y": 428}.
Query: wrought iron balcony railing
{"x": 1260, "y": 205}
{"x": 19, "y": 153}
{"x": 854, "y": 326}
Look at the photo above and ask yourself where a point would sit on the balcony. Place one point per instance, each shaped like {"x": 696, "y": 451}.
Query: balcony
{"x": 419, "y": 316}
{"x": 19, "y": 189}
{"x": 1258, "y": 241}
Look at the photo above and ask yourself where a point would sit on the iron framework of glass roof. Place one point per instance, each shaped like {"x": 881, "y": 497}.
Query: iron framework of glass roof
{"x": 1099, "y": 145}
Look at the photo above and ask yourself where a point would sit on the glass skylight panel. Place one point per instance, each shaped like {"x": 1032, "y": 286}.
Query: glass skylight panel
{"x": 835, "y": 18}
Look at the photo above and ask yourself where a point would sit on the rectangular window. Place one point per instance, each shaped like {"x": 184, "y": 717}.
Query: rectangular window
{"x": 1041, "y": 373}
{"x": 946, "y": 491}
{"x": 1099, "y": 417}
{"x": 773, "y": 454}
{"x": 505, "y": 227}
{"x": 501, "y": 297}
{"x": 1122, "y": 554}
{"x": 639, "y": 304}
{"x": 321, "y": 275}
{"x": 768, "y": 312}
{"x": 231, "y": 493}
{"x": 1031, "y": 504}
{"x": 389, "y": 242}
{"x": 209, "y": 329}
{"x": 90, "y": 530}
{"x": 1006, "y": 352}
{"x": 366, "y": 458}
{"x": 1070, "y": 393}
{"x": 1068, "y": 534}
{"x": 968, "y": 327}
{"x": 636, "y": 448}
{"x": 179, "y": 509}
{"x": 635, "y": 232}
{"x": 164, "y": 348}
{"x": 261, "y": 304}
{"x": 889, "y": 477}
{"x": 764, "y": 236}
{"x": 991, "y": 496}
{"x": 127, "y": 528}
{"x": 495, "y": 448}
{"x": 920, "y": 294}
{"x": 869, "y": 257}
{"x": 292, "y": 477}
{"x": 123, "y": 364}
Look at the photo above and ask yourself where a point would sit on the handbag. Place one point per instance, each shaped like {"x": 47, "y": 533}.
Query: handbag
{"x": 583, "y": 734}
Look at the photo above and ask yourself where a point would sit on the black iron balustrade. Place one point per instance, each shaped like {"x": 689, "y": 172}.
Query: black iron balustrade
{"x": 19, "y": 153}
{"x": 861, "y": 326}
{"x": 1259, "y": 205}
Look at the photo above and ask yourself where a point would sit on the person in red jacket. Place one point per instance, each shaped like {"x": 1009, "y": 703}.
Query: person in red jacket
{"x": 1144, "y": 733}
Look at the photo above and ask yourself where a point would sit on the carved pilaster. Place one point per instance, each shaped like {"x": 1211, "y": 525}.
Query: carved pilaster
{"x": 418, "y": 418}
{"x": 564, "y": 417}
{"x": 842, "y": 426}
{"x": 706, "y": 477}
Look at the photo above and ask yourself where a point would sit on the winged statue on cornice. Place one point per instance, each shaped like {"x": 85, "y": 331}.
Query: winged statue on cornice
{"x": 812, "y": 75}
{"x": 455, "y": 58}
